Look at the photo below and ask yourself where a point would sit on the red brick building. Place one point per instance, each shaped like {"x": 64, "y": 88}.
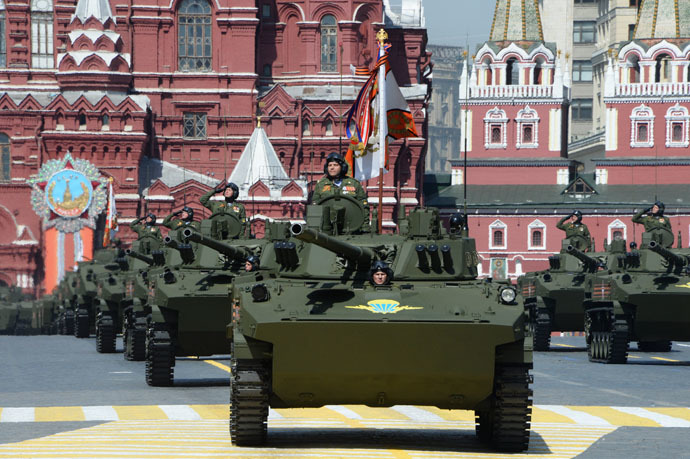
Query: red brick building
{"x": 517, "y": 190}
{"x": 162, "y": 96}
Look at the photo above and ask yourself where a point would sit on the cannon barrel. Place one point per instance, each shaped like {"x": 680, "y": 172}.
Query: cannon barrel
{"x": 667, "y": 254}
{"x": 589, "y": 262}
{"x": 361, "y": 255}
{"x": 139, "y": 256}
{"x": 185, "y": 250}
{"x": 170, "y": 242}
{"x": 222, "y": 247}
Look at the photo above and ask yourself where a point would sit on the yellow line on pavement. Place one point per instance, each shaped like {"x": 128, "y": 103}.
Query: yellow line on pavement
{"x": 452, "y": 415}
{"x": 665, "y": 359}
{"x": 634, "y": 356}
{"x": 547, "y": 416}
{"x": 678, "y": 412}
{"x": 564, "y": 345}
{"x": 211, "y": 411}
{"x": 219, "y": 365}
{"x": 139, "y": 412}
{"x": 615, "y": 417}
{"x": 59, "y": 413}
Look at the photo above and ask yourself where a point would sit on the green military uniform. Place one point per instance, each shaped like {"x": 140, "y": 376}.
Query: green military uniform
{"x": 168, "y": 222}
{"x": 652, "y": 222}
{"x": 573, "y": 229}
{"x": 348, "y": 186}
{"x": 223, "y": 206}
{"x": 145, "y": 230}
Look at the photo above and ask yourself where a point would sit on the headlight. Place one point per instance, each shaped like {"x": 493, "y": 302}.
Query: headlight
{"x": 260, "y": 293}
{"x": 508, "y": 295}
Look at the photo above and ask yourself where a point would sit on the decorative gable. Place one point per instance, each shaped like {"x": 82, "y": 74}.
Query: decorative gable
{"x": 292, "y": 190}
{"x": 259, "y": 189}
{"x": 579, "y": 186}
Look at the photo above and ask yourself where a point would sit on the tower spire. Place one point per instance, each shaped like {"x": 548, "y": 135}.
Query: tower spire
{"x": 99, "y": 9}
{"x": 517, "y": 20}
{"x": 658, "y": 19}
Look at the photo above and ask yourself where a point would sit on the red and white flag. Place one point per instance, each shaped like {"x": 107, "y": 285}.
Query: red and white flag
{"x": 111, "y": 226}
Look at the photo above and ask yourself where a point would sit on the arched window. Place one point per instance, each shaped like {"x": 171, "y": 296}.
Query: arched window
{"x": 498, "y": 238}
{"x": 536, "y": 78}
{"x": 635, "y": 70}
{"x": 329, "y": 40}
{"x": 306, "y": 127}
{"x": 497, "y": 235}
{"x": 194, "y": 36}
{"x": 3, "y": 49}
{"x": 537, "y": 235}
{"x": 105, "y": 122}
{"x": 677, "y": 127}
{"x": 42, "y": 34}
{"x": 663, "y": 69}
{"x": 4, "y": 158}
{"x": 82, "y": 122}
{"x": 329, "y": 127}
{"x": 512, "y": 72}
{"x": 642, "y": 127}
{"x": 537, "y": 238}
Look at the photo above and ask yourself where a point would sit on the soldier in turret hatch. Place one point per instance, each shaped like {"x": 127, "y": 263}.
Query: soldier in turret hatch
{"x": 380, "y": 273}
{"x": 337, "y": 183}
{"x": 656, "y": 218}
{"x": 186, "y": 219}
{"x": 573, "y": 227}
{"x": 229, "y": 204}
{"x": 149, "y": 227}
{"x": 251, "y": 264}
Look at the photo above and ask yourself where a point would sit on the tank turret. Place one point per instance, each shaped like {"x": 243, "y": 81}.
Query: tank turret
{"x": 219, "y": 246}
{"x": 139, "y": 256}
{"x": 361, "y": 255}
{"x": 590, "y": 264}
{"x": 676, "y": 262}
{"x": 186, "y": 251}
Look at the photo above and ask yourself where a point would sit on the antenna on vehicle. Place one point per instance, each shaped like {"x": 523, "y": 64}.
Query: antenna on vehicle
{"x": 467, "y": 97}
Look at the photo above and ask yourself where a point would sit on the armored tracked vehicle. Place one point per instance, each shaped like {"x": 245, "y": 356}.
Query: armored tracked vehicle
{"x": 9, "y": 297}
{"x": 110, "y": 302}
{"x": 86, "y": 289}
{"x": 189, "y": 301}
{"x": 643, "y": 297}
{"x": 66, "y": 296}
{"x": 553, "y": 298}
{"x": 311, "y": 329}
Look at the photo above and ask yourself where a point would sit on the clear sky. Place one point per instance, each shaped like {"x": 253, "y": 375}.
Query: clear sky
{"x": 449, "y": 22}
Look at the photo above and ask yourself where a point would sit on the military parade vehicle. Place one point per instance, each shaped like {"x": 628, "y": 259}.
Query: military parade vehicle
{"x": 9, "y": 296}
{"x": 312, "y": 327}
{"x": 66, "y": 296}
{"x": 553, "y": 297}
{"x": 189, "y": 300}
{"x": 642, "y": 297}
{"x": 110, "y": 302}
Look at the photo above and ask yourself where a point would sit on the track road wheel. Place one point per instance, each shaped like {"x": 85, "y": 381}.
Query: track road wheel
{"x": 135, "y": 347}
{"x": 249, "y": 392}
{"x": 506, "y": 425}
{"x": 160, "y": 356}
{"x": 81, "y": 324}
{"x": 609, "y": 338}
{"x": 105, "y": 334}
{"x": 654, "y": 346}
{"x": 542, "y": 331}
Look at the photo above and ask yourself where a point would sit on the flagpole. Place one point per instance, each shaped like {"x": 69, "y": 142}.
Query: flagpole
{"x": 381, "y": 36}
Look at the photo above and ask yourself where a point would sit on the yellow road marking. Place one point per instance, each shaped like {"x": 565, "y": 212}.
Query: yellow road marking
{"x": 634, "y": 356}
{"x": 565, "y": 345}
{"x": 219, "y": 365}
{"x": 681, "y": 413}
{"x": 452, "y": 415}
{"x": 548, "y": 416}
{"x": 140, "y": 412}
{"x": 665, "y": 359}
{"x": 371, "y": 413}
{"x": 615, "y": 417}
{"x": 219, "y": 412}
{"x": 59, "y": 413}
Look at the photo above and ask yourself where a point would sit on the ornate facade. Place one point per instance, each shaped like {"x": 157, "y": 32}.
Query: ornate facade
{"x": 163, "y": 98}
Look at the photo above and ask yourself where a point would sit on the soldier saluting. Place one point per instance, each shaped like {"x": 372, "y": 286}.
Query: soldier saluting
{"x": 656, "y": 218}
{"x": 336, "y": 182}
{"x": 186, "y": 219}
{"x": 148, "y": 229}
{"x": 573, "y": 226}
{"x": 229, "y": 204}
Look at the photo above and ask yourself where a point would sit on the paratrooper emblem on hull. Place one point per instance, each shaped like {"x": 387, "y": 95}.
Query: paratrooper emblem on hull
{"x": 383, "y": 307}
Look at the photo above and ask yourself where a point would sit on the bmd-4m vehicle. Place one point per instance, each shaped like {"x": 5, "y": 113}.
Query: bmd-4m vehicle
{"x": 311, "y": 329}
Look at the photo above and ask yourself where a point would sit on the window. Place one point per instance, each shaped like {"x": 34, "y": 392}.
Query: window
{"x": 527, "y": 124}
{"x": 267, "y": 70}
{"x": 42, "y": 34}
{"x": 584, "y": 31}
{"x": 266, "y": 11}
{"x": 194, "y": 36}
{"x": 642, "y": 127}
{"x": 582, "y": 109}
{"x": 105, "y": 122}
{"x": 585, "y": 1}
{"x": 306, "y": 127}
{"x": 617, "y": 230}
{"x": 537, "y": 238}
{"x": 617, "y": 235}
{"x": 3, "y": 51}
{"x": 601, "y": 177}
{"x": 537, "y": 235}
{"x": 536, "y": 79}
{"x": 329, "y": 127}
{"x": 82, "y": 122}
{"x": 329, "y": 38}
{"x": 497, "y": 235}
{"x": 677, "y": 127}
{"x": 634, "y": 3}
{"x": 635, "y": 69}
{"x": 195, "y": 125}
{"x": 582, "y": 71}
{"x": 512, "y": 72}
{"x": 631, "y": 31}
{"x": 662, "y": 72}
{"x": 4, "y": 158}
{"x": 495, "y": 126}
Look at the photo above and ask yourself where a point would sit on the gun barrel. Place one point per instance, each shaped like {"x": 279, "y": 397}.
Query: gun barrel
{"x": 589, "y": 262}
{"x": 219, "y": 246}
{"x": 139, "y": 256}
{"x": 170, "y": 242}
{"x": 361, "y": 255}
{"x": 667, "y": 254}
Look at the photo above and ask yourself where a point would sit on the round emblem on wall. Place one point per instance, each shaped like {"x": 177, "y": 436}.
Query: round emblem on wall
{"x": 69, "y": 193}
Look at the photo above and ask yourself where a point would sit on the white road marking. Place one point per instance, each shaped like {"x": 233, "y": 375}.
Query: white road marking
{"x": 17, "y": 415}
{"x": 100, "y": 413}
{"x": 417, "y": 414}
{"x": 180, "y": 412}
{"x": 273, "y": 414}
{"x": 347, "y": 412}
{"x": 661, "y": 419}
{"x": 578, "y": 416}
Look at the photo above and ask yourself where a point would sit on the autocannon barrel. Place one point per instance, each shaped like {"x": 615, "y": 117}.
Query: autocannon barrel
{"x": 140, "y": 256}
{"x": 589, "y": 262}
{"x": 222, "y": 247}
{"x": 361, "y": 255}
{"x": 185, "y": 250}
{"x": 667, "y": 254}
{"x": 170, "y": 242}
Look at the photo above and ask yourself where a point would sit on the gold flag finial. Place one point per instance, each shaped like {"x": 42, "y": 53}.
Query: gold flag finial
{"x": 110, "y": 179}
{"x": 381, "y": 36}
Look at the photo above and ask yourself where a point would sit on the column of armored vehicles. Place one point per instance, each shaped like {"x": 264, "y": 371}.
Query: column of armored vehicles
{"x": 331, "y": 311}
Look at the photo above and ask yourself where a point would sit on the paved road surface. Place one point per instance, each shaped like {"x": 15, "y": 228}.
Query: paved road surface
{"x": 59, "y": 398}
